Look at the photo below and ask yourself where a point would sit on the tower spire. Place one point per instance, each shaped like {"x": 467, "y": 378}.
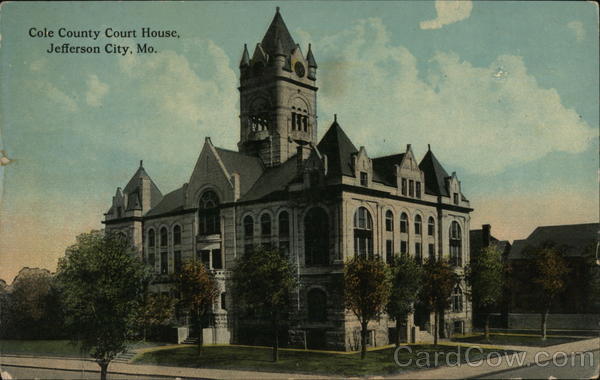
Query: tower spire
{"x": 245, "y": 62}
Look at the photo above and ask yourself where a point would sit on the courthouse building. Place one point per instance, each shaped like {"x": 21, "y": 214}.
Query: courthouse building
{"x": 322, "y": 202}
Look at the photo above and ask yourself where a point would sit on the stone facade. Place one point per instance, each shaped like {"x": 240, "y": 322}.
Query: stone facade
{"x": 322, "y": 203}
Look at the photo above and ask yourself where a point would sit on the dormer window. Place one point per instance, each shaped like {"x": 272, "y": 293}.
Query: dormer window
{"x": 364, "y": 179}
{"x": 404, "y": 186}
{"x": 418, "y": 189}
{"x": 455, "y": 198}
{"x": 411, "y": 188}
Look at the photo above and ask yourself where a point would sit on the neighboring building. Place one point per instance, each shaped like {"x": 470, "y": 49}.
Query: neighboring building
{"x": 481, "y": 239}
{"x": 322, "y": 202}
{"x": 579, "y": 305}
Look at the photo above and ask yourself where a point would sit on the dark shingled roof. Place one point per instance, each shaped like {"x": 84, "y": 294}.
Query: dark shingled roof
{"x": 384, "y": 170}
{"x": 133, "y": 186}
{"x": 435, "y": 175}
{"x": 575, "y": 239}
{"x": 339, "y": 150}
{"x": 173, "y": 201}
{"x": 249, "y": 168}
{"x": 273, "y": 179}
{"x": 278, "y": 31}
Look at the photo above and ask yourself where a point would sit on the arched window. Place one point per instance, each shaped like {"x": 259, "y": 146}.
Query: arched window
{"x": 455, "y": 244}
{"x": 299, "y": 115}
{"x": 248, "y": 227}
{"x": 164, "y": 237}
{"x": 404, "y": 223}
{"x": 430, "y": 226}
{"x": 151, "y": 239}
{"x": 317, "y": 305}
{"x": 177, "y": 235}
{"x": 389, "y": 221}
{"x": 457, "y": 300}
{"x": 208, "y": 214}
{"x": 284, "y": 224}
{"x": 363, "y": 232}
{"x": 418, "y": 225}
{"x": 265, "y": 225}
{"x": 316, "y": 237}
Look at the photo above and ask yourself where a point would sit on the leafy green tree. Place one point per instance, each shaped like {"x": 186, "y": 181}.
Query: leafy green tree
{"x": 549, "y": 269}
{"x": 156, "y": 310}
{"x": 367, "y": 288}
{"x": 262, "y": 282}
{"x": 198, "y": 290}
{"x": 101, "y": 282}
{"x": 406, "y": 279}
{"x": 439, "y": 280}
{"x": 485, "y": 277}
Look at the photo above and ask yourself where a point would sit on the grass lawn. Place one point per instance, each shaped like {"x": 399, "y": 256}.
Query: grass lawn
{"x": 40, "y": 347}
{"x": 259, "y": 359}
{"x": 517, "y": 340}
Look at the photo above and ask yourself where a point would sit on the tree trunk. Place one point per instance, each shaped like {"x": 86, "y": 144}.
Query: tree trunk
{"x": 398, "y": 326}
{"x": 487, "y": 327}
{"x": 544, "y": 320}
{"x": 275, "y": 339}
{"x": 363, "y": 339}
{"x": 103, "y": 368}
{"x": 436, "y": 327}
{"x": 198, "y": 324}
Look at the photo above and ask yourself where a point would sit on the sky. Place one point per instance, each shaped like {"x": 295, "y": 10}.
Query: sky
{"x": 506, "y": 93}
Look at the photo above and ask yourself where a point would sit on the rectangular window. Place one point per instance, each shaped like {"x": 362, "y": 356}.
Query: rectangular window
{"x": 430, "y": 227}
{"x": 151, "y": 259}
{"x": 455, "y": 198}
{"x": 403, "y": 247}
{"x": 389, "y": 251}
{"x": 418, "y": 254}
{"x": 364, "y": 179}
{"x": 411, "y": 188}
{"x": 418, "y": 189}
{"x": 431, "y": 252}
{"x": 204, "y": 256}
{"x": 403, "y": 186}
{"x": 164, "y": 263}
{"x": 177, "y": 261}
{"x": 216, "y": 259}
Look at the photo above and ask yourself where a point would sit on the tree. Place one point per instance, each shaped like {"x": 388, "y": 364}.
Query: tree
{"x": 101, "y": 283}
{"x": 262, "y": 282}
{"x": 438, "y": 282}
{"x": 406, "y": 278}
{"x": 366, "y": 289}
{"x": 549, "y": 270}
{"x": 198, "y": 291}
{"x": 485, "y": 277}
{"x": 156, "y": 310}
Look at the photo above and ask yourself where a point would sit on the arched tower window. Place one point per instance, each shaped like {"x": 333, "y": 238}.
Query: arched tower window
{"x": 299, "y": 115}
{"x": 404, "y": 223}
{"x": 164, "y": 237}
{"x": 265, "y": 225}
{"x": 389, "y": 221}
{"x": 418, "y": 222}
{"x": 177, "y": 235}
{"x": 151, "y": 239}
{"x": 430, "y": 226}
{"x": 455, "y": 244}
{"x": 317, "y": 305}
{"x": 363, "y": 232}
{"x": 316, "y": 237}
{"x": 208, "y": 214}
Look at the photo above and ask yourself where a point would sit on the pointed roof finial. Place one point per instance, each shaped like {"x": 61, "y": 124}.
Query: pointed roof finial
{"x": 276, "y": 9}
{"x": 310, "y": 57}
{"x": 245, "y": 61}
{"x": 428, "y": 147}
{"x": 141, "y": 163}
{"x": 335, "y": 117}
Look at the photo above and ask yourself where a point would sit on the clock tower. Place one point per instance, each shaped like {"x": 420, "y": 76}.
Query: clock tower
{"x": 278, "y": 96}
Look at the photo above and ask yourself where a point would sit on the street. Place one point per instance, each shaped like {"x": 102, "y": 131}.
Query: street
{"x": 551, "y": 370}
{"x": 16, "y": 372}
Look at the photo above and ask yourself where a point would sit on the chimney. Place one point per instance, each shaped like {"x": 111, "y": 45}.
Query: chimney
{"x": 485, "y": 235}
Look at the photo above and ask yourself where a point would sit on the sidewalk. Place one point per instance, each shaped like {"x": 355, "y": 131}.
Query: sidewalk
{"x": 469, "y": 371}
{"x": 86, "y": 365}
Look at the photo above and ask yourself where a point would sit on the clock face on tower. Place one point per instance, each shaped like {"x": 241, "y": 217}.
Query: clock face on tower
{"x": 299, "y": 69}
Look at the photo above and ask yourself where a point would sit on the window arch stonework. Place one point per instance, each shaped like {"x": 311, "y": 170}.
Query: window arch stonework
{"x": 363, "y": 232}
{"x": 208, "y": 213}
{"x": 455, "y": 242}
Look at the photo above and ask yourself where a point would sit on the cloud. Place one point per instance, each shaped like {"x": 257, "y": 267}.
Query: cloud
{"x": 56, "y": 95}
{"x": 498, "y": 115}
{"x": 448, "y": 12}
{"x": 578, "y": 30}
{"x": 96, "y": 90}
